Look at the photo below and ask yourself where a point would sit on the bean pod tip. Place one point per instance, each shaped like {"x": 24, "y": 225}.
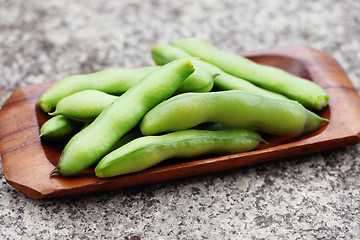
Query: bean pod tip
{"x": 44, "y": 106}
{"x": 54, "y": 113}
{"x": 55, "y": 170}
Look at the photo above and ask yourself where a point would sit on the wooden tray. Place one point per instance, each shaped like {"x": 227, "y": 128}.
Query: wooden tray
{"x": 27, "y": 161}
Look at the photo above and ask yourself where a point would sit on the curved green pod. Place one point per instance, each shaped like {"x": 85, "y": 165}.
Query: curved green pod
{"x": 148, "y": 151}
{"x": 308, "y": 93}
{"x": 163, "y": 53}
{"x": 113, "y": 81}
{"x": 123, "y": 114}
{"x": 83, "y": 106}
{"x": 232, "y": 108}
{"x": 58, "y": 127}
{"x": 198, "y": 81}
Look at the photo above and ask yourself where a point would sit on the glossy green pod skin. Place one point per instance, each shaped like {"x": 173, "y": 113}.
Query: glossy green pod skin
{"x": 224, "y": 81}
{"x": 232, "y": 108}
{"x": 113, "y": 81}
{"x": 306, "y": 92}
{"x": 123, "y": 114}
{"x": 198, "y": 81}
{"x": 148, "y": 151}
{"x": 83, "y": 106}
{"x": 125, "y": 139}
{"x": 163, "y": 53}
{"x": 58, "y": 127}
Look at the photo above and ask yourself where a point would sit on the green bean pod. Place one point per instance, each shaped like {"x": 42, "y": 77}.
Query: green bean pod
{"x": 113, "y": 81}
{"x": 148, "y": 151}
{"x": 232, "y": 108}
{"x": 163, "y": 54}
{"x": 58, "y": 127}
{"x": 198, "y": 81}
{"x": 123, "y": 114}
{"x": 83, "y": 106}
{"x": 306, "y": 92}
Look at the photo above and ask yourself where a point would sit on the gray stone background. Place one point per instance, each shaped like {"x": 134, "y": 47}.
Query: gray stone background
{"x": 309, "y": 197}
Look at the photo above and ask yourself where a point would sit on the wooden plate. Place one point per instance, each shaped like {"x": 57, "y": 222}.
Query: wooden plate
{"x": 27, "y": 161}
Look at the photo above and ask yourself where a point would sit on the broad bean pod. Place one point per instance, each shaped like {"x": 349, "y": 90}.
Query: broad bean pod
{"x": 198, "y": 81}
{"x": 163, "y": 53}
{"x": 113, "y": 81}
{"x": 233, "y": 108}
{"x": 83, "y": 106}
{"x": 58, "y": 127}
{"x": 123, "y": 114}
{"x": 306, "y": 92}
{"x": 148, "y": 151}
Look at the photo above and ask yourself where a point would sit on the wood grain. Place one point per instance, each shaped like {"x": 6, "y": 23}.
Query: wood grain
{"x": 27, "y": 161}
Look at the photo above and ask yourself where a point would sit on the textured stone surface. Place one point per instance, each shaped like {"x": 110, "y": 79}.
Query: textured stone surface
{"x": 310, "y": 197}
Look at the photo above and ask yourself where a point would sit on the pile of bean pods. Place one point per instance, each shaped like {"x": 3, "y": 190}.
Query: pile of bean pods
{"x": 197, "y": 100}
